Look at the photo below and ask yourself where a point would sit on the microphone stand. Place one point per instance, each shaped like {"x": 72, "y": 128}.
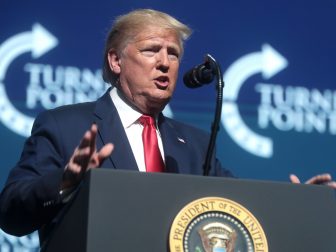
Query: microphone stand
{"x": 215, "y": 124}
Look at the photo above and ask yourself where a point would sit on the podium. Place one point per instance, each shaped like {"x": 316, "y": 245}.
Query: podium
{"x": 117, "y": 210}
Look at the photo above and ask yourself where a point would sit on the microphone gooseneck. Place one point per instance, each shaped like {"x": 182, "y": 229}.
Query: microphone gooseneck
{"x": 197, "y": 77}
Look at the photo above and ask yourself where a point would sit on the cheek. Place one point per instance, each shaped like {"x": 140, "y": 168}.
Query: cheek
{"x": 140, "y": 70}
{"x": 175, "y": 68}
{"x": 174, "y": 76}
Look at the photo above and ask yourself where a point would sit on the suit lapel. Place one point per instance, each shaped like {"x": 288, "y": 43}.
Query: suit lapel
{"x": 175, "y": 147}
{"x": 110, "y": 130}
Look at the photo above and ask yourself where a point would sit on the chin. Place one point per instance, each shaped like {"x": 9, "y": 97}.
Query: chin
{"x": 157, "y": 104}
{"x": 161, "y": 100}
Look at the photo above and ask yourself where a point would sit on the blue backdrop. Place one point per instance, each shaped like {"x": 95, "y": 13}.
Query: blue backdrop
{"x": 278, "y": 59}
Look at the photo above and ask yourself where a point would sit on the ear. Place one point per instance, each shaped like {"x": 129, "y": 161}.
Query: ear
{"x": 114, "y": 61}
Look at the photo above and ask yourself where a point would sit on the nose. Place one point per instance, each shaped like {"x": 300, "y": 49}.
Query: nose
{"x": 163, "y": 61}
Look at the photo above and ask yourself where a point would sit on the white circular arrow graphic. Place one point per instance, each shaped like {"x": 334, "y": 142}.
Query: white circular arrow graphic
{"x": 268, "y": 62}
{"x": 38, "y": 41}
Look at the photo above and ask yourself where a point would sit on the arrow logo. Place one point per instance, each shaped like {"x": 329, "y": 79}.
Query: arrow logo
{"x": 268, "y": 62}
{"x": 43, "y": 41}
{"x": 39, "y": 41}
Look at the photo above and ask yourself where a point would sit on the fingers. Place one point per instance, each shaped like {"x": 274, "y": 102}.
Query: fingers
{"x": 81, "y": 156}
{"x": 89, "y": 139}
{"x": 105, "y": 152}
{"x": 85, "y": 156}
{"x": 320, "y": 179}
{"x": 331, "y": 184}
{"x": 294, "y": 179}
{"x": 93, "y": 132}
{"x": 98, "y": 158}
{"x": 82, "y": 153}
{"x": 77, "y": 165}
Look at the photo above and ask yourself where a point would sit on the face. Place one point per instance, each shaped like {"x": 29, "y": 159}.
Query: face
{"x": 148, "y": 69}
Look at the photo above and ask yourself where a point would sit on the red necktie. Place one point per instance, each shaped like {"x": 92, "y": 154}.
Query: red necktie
{"x": 153, "y": 158}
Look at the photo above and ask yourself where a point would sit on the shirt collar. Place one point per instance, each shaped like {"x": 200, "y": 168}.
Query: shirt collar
{"x": 127, "y": 114}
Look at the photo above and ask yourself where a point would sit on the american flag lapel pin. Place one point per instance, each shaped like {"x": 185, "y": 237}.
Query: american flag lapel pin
{"x": 181, "y": 140}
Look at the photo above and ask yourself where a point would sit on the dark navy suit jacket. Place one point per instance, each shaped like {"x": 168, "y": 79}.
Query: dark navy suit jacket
{"x": 30, "y": 199}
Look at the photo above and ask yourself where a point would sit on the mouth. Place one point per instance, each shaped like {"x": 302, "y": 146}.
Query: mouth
{"x": 162, "y": 82}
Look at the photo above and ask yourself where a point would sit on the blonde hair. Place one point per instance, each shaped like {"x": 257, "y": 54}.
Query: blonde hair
{"x": 128, "y": 26}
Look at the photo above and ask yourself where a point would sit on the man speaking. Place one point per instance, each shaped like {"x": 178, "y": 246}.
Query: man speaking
{"x": 124, "y": 129}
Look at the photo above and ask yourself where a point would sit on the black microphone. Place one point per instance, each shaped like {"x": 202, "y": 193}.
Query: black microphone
{"x": 199, "y": 75}
{"x": 196, "y": 77}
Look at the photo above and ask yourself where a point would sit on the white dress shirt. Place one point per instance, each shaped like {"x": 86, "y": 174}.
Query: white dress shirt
{"x": 129, "y": 119}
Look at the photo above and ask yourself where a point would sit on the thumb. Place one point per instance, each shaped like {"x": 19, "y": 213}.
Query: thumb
{"x": 105, "y": 152}
{"x": 98, "y": 157}
{"x": 294, "y": 179}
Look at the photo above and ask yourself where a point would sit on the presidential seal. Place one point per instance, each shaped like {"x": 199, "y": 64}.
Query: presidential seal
{"x": 215, "y": 224}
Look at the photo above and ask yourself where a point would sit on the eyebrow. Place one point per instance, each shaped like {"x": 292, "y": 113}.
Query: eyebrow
{"x": 171, "y": 46}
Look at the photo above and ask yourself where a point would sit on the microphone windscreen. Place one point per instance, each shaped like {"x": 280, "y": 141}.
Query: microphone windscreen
{"x": 198, "y": 76}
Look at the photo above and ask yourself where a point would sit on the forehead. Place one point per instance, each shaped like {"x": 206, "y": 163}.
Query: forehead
{"x": 153, "y": 34}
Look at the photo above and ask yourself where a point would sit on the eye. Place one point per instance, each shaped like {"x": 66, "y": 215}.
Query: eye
{"x": 150, "y": 51}
{"x": 173, "y": 54}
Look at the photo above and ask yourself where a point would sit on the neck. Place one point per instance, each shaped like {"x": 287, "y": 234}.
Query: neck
{"x": 151, "y": 111}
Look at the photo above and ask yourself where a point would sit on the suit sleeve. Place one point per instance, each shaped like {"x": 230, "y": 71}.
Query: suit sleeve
{"x": 30, "y": 197}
